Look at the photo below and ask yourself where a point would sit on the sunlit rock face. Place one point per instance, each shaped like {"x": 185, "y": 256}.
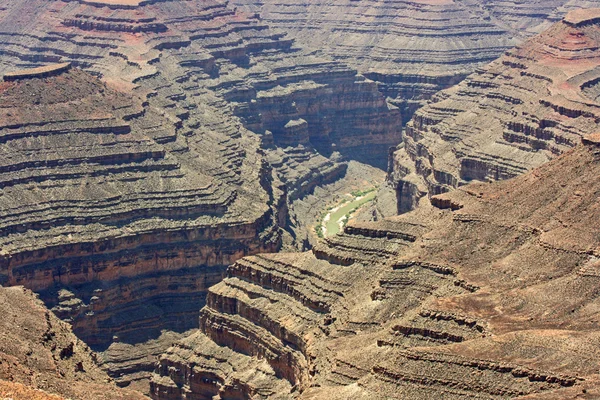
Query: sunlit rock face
{"x": 531, "y": 105}
{"x": 490, "y": 291}
{"x": 486, "y": 291}
{"x": 411, "y": 48}
{"x": 128, "y": 188}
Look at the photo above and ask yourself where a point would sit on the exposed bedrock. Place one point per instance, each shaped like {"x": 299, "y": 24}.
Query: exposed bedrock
{"x": 529, "y": 106}
{"x": 491, "y": 292}
{"x": 177, "y": 52}
{"x": 41, "y": 358}
{"x": 411, "y": 48}
{"x": 120, "y": 231}
{"x": 122, "y": 210}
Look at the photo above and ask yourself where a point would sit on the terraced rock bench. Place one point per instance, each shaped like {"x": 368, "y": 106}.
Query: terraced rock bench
{"x": 40, "y": 72}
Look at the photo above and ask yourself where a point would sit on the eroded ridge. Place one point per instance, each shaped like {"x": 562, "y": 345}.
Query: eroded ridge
{"x": 412, "y": 48}
{"x": 177, "y": 52}
{"x": 40, "y": 72}
{"x": 106, "y": 215}
{"x": 529, "y": 106}
{"x": 41, "y": 358}
{"x": 492, "y": 294}
{"x": 127, "y": 215}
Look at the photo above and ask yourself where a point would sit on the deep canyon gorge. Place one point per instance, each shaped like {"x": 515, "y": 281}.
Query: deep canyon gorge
{"x": 167, "y": 165}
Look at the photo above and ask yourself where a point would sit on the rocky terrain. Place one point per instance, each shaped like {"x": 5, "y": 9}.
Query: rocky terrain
{"x": 529, "y": 106}
{"x": 129, "y": 188}
{"x": 41, "y": 359}
{"x": 114, "y": 225}
{"x": 202, "y": 57}
{"x": 490, "y": 292}
{"x": 412, "y": 48}
{"x": 152, "y": 148}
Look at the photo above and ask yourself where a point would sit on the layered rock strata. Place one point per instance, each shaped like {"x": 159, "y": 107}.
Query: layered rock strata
{"x": 411, "y": 48}
{"x": 106, "y": 212}
{"x": 529, "y": 106}
{"x": 41, "y": 358}
{"x": 491, "y": 292}
{"x": 177, "y": 51}
{"x": 122, "y": 210}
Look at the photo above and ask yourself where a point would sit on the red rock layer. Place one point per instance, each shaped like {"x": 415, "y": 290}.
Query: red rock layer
{"x": 531, "y": 105}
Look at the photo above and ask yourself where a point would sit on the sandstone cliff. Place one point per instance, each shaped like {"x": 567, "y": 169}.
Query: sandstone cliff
{"x": 412, "y": 48}
{"x": 117, "y": 228}
{"x": 122, "y": 209}
{"x": 183, "y": 54}
{"x": 40, "y": 358}
{"x": 529, "y": 106}
{"x": 490, "y": 292}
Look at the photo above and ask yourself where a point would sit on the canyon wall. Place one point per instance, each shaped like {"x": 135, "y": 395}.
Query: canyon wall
{"x": 182, "y": 53}
{"x": 488, "y": 292}
{"x": 529, "y": 106}
{"x": 120, "y": 233}
{"x": 126, "y": 198}
{"x": 411, "y": 48}
{"x": 41, "y": 358}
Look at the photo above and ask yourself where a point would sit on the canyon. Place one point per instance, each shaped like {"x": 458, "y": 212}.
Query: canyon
{"x": 166, "y": 164}
{"x": 129, "y": 188}
{"x": 488, "y": 292}
{"x": 529, "y": 106}
{"x": 485, "y": 290}
{"x": 412, "y": 48}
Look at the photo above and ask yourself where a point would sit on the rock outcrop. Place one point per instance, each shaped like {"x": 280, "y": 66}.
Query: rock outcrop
{"x": 529, "y": 106}
{"x": 41, "y": 358}
{"x": 121, "y": 210}
{"x": 178, "y": 52}
{"x": 411, "y": 48}
{"x": 107, "y": 214}
{"x": 490, "y": 292}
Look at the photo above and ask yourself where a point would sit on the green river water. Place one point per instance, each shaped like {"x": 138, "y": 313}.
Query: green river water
{"x": 333, "y": 226}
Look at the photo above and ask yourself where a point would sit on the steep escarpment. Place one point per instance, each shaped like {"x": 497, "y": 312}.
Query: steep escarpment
{"x": 411, "y": 48}
{"x": 529, "y": 106}
{"x": 490, "y": 292}
{"x": 180, "y": 52}
{"x": 115, "y": 226}
{"x": 121, "y": 210}
{"x": 41, "y": 358}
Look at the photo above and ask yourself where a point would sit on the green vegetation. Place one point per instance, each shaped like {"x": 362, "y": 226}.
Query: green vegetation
{"x": 345, "y": 211}
{"x": 319, "y": 226}
{"x": 360, "y": 193}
